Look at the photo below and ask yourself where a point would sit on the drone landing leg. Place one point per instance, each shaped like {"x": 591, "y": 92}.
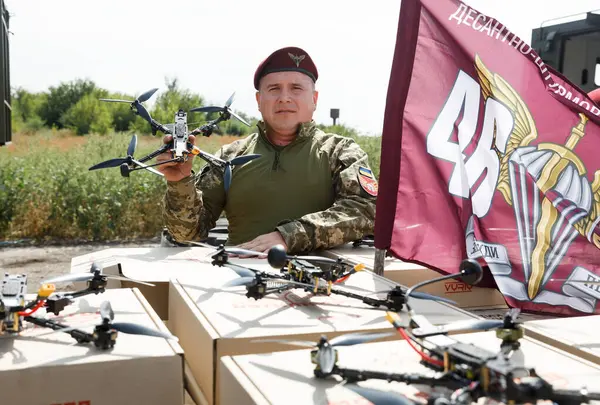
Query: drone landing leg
{"x": 78, "y": 335}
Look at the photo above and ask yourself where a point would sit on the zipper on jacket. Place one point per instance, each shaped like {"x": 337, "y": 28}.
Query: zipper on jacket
{"x": 276, "y": 161}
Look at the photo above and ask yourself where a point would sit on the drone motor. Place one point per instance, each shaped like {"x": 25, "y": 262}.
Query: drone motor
{"x": 257, "y": 291}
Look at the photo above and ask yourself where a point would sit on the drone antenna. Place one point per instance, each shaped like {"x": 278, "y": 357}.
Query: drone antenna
{"x": 470, "y": 272}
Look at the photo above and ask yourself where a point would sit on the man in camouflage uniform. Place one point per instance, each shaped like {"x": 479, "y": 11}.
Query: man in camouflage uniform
{"x": 309, "y": 189}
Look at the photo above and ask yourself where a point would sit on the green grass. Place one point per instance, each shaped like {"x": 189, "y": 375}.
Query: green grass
{"x": 48, "y": 194}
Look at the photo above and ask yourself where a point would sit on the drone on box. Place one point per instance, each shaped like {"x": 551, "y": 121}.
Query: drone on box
{"x": 316, "y": 274}
{"x": 180, "y": 146}
{"x": 466, "y": 371}
{"x": 16, "y": 310}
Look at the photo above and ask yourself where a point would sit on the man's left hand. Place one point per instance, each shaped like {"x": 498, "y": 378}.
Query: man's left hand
{"x": 264, "y": 242}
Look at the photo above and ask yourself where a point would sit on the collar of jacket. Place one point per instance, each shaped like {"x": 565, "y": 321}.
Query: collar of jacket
{"x": 305, "y": 131}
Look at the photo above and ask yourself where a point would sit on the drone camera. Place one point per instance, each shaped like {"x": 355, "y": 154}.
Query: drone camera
{"x": 471, "y": 271}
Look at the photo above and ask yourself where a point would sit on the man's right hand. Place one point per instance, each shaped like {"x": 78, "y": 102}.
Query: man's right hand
{"x": 175, "y": 171}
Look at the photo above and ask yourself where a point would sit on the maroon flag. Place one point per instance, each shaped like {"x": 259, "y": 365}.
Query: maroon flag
{"x": 489, "y": 153}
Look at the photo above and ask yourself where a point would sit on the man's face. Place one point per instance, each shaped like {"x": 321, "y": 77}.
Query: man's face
{"x": 286, "y": 99}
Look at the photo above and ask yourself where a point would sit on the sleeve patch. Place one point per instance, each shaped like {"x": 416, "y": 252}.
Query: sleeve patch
{"x": 367, "y": 181}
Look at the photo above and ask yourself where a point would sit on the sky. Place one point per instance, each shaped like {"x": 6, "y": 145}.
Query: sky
{"x": 213, "y": 47}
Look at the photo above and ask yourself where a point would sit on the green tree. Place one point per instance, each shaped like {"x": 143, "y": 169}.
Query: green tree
{"x": 25, "y": 109}
{"x": 88, "y": 115}
{"x": 167, "y": 104}
{"x": 63, "y": 97}
{"x": 170, "y": 101}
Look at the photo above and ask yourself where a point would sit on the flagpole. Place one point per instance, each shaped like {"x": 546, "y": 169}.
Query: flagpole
{"x": 378, "y": 264}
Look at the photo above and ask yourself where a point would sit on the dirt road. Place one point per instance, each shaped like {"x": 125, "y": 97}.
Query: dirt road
{"x": 40, "y": 263}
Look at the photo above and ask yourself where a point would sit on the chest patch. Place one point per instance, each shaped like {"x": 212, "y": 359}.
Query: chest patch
{"x": 367, "y": 181}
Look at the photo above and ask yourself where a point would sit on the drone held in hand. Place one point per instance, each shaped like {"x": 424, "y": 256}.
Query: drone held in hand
{"x": 466, "y": 371}
{"x": 316, "y": 274}
{"x": 15, "y": 310}
{"x": 180, "y": 146}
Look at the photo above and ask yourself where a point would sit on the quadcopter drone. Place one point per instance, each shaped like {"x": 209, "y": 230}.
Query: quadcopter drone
{"x": 466, "y": 371}
{"x": 316, "y": 274}
{"x": 180, "y": 147}
{"x": 15, "y": 310}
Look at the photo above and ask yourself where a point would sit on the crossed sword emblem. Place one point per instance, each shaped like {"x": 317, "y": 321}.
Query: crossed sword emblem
{"x": 587, "y": 210}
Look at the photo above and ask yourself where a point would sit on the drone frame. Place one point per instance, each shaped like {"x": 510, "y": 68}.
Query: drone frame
{"x": 180, "y": 146}
{"x": 104, "y": 334}
{"x": 469, "y": 371}
{"x": 300, "y": 272}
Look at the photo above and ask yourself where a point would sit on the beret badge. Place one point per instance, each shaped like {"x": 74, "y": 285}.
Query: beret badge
{"x": 297, "y": 59}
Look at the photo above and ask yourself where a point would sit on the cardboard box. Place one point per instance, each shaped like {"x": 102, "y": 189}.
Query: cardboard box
{"x": 577, "y": 335}
{"x": 150, "y": 264}
{"x": 211, "y": 323}
{"x": 286, "y": 378}
{"x": 37, "y": 368}
{"x": 409, "y": 274}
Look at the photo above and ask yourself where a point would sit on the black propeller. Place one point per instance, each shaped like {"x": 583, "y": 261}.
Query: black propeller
{"x": 225, "y": 111}
{"x": 95, "y": 272}
{"x": 278, "y": 258}
{"x": 378, "y": 397}
{"x": 125, "y": 163}
{"x": 107, "y": 314}
{"x": 509, "y": 322}
{"x": 240, "y": 160}
{"x": 326, "y": 356}
{"x": 225, "y": 114}
{"x": 137, "y": 104}
{"x": 227, "y": 165}
{"x": 230, "y": 250}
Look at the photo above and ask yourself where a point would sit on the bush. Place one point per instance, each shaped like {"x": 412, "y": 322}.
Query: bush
{"x": 88, "y": 115}
{"x": 61, "y": 98}
{"x": 370, "y": 144}
{"x": 48, "y": 193}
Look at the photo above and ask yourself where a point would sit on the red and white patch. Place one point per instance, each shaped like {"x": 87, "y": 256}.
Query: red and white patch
{"x": 368, "y": 183}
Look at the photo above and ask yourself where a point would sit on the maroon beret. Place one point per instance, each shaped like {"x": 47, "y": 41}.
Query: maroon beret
{"x": 287, "y": 59}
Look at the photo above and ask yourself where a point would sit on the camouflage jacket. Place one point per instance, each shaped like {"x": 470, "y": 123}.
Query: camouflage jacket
{"x": 318, "y": 192}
